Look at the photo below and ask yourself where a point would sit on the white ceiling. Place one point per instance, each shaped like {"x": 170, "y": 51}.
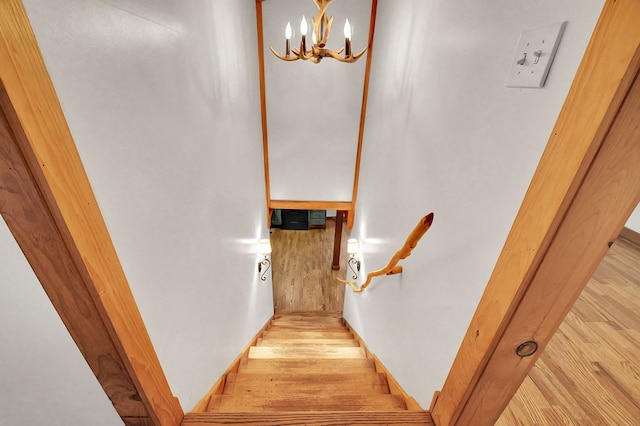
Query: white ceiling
{"x": 313, "y": 110}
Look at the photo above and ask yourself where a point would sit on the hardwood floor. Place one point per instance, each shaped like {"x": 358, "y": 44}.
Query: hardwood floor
{"x": 302, "y": 276}
{"x": 589, "y": 373}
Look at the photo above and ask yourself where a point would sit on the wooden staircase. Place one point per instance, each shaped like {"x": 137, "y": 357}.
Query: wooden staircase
{"x": 307, "y": 368}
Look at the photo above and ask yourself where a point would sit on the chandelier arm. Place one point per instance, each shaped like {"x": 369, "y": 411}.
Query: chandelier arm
{"x": 327, "y": 29}
{"x": 349, "y": 59}
{"x": 284, "y": 58}
{"x": 302, "y": 55}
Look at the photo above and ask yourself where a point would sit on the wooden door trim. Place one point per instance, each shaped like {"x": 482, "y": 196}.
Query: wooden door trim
{"x": 363, "y": 113}
{"x": 310, "y": 205}
{"x": 50, "y": 208}
{"x": 263, "y": 108}
{"x": 585, "y": 187}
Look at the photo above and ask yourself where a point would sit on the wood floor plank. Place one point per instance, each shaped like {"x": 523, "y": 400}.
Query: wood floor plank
{"x": 235, "y": 403}
{"x": 301, "y": 265}
{"x": 589, "y": 373}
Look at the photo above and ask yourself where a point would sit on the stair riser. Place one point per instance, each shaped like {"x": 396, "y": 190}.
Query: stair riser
{"x": 306, "y": 384}
{"x": 313, "y": 366}
{"x": 234, "y": 403}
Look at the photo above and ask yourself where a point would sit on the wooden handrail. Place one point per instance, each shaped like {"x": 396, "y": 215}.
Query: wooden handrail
{"x": 392, "y": 267}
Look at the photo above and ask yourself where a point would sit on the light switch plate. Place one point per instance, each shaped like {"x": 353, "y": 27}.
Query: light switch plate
{"x": 534, "y": 55}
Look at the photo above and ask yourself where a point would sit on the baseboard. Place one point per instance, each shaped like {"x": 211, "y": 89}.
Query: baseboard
{"x": 630, "y": 235}
{"x": 394, "y": 386}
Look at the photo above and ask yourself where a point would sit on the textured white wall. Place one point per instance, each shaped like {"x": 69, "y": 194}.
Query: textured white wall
{"x": 444, "y": 134}
{"x": 163, "y": 101}
{"x": 634, "y": 220}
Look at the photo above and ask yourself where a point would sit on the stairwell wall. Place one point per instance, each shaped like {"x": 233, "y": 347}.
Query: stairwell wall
{"x": 162, "y": 99}
{"x": 444, "y": 134}
{"x": 634, "y": 221}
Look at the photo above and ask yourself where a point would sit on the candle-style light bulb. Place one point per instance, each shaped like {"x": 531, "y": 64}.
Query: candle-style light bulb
{"x": 303, "y": 31}
{"x": 347, "y": 29}
{"x": 347, "y": 39}
{"x": 287, "y": 42}
{"x": 287, "y": 31}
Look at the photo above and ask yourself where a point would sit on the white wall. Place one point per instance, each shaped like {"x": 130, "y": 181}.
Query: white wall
{"x": 444, "y": 134}
{"x": 634, "y": 221}
{"x": 44, "y": 380}
{"x": 163, "y": 101}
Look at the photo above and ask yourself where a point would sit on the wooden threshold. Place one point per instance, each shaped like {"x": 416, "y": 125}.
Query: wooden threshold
{"x": 310, "y": 205}
{"x": 584, "y": 189}
{"x": 49, "y": 207}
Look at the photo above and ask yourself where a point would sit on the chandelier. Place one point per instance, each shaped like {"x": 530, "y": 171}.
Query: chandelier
{"x": 321, "y": 28}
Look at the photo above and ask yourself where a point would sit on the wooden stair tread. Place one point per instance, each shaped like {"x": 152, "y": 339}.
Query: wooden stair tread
{"x": 271, "y": 341}
{"x": 306, "y": 384}
{"x": 306, "y": 327}
{"x": 330, "y": 314}
{"x": 306, "y": 365}
{"x": 259, "y": 403}
{"x": 328, "y": 418}
{"x": 295, "y": 334}
{"x": 300, "y": 317}
{"x": 303, "y": 351}
{"x": 308, "y": 321}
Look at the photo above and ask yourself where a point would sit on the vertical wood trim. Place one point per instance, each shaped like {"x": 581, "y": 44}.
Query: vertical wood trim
{"x": 351, "y": 215}
{"x": 263, "y": 108}
{"x": 49, "y": 206}
{"x": 584, "y": 189}
{"x": 337, "y": 240}
{"x": 363, "y": 113}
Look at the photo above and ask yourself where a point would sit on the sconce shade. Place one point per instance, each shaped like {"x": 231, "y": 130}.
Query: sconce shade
{"x": 353, "y": 247}
{"x": 264, "y": 247}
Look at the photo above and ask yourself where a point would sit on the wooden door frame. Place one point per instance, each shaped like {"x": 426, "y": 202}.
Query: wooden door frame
{"x": 49, "y": 207}
{"x": 584, "y": 189}
{"x": 48, "y": 177}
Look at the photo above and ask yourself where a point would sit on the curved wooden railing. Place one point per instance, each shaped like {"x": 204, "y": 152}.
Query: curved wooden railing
{"x": 392, "y": 267}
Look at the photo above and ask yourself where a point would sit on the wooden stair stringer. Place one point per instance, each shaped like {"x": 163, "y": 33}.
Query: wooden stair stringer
{"x": 218, "y": 386}
{"x": 394, "y": 386}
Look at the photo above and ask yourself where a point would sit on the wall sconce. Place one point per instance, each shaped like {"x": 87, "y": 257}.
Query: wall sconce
{"x": 264, "y": 249}
{"x": 353, "y": 248}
